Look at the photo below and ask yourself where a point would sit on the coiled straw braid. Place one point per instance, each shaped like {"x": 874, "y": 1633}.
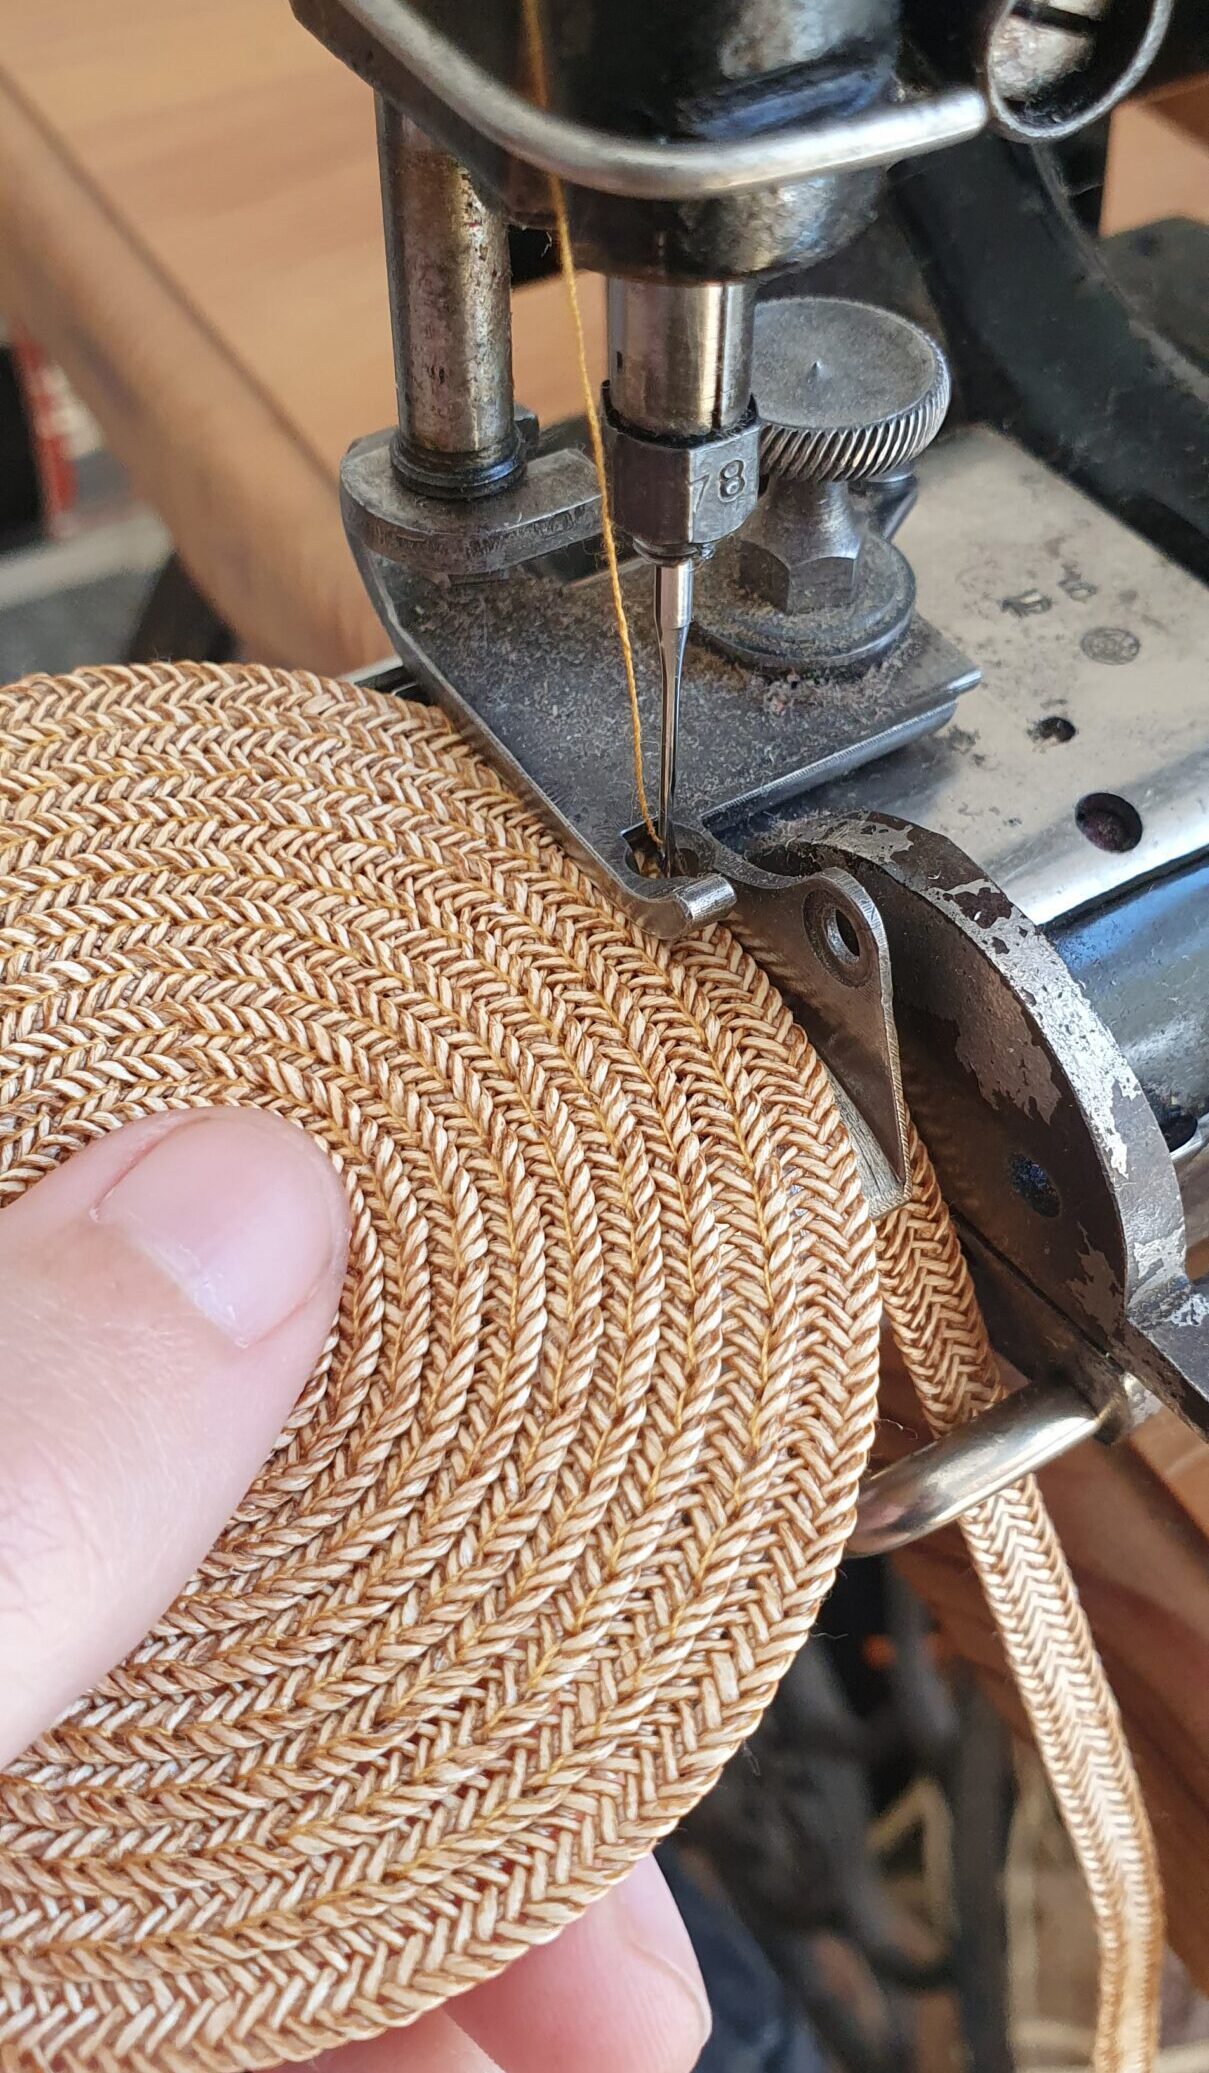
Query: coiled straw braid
{"x": 578, "y": 1466}
{"x": 937, "y": 1325}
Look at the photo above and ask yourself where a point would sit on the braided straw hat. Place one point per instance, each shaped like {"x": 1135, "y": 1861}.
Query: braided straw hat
{"x": 579, "y": 1462}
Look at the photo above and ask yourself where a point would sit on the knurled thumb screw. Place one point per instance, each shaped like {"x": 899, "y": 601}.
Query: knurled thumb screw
{"x": 847, "y": 395}
{"x": 845, "y": 392}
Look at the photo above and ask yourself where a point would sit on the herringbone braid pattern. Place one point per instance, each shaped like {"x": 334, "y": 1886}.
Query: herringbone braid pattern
{"x": 561, "y": 1501}
{"x": 933, "y": 1313}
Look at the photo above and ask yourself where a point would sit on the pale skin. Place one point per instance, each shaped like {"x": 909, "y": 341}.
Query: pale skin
{"x": 163, "y": 1297}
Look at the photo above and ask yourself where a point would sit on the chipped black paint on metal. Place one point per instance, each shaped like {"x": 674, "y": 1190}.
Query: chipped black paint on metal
{"x": 1008, "y": 1069}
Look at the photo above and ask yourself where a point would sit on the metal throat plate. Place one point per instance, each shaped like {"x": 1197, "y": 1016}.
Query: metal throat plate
{"x": 1093, "y": 649}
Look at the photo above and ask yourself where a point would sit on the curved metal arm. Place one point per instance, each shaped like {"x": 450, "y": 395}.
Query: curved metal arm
{"x": 615, "y": 164}
{"x": 936, "y": 1484}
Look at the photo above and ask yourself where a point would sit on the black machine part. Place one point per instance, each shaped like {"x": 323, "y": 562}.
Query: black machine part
{"x": 1046, "y": 342}
{"x": 1046, "y": 71}
{"x": 710, "y": 71}
{"x": 718, "y": 74}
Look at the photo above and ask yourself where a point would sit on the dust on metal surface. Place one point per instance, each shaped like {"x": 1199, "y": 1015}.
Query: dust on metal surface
{"x": 530, "y": 667}
{"x": 1072, "y": 619}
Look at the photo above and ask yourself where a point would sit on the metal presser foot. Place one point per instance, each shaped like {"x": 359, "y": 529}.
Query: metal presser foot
{"x": 529, "y": 664}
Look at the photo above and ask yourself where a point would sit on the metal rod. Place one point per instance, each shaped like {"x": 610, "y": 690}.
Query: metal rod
{"x": 680, "y": 354}
{"x": 936, "y": 1484}
{"x": 673, "y": 616}
{"x": 451, "y": 317}
{"x": 616, "y": 164}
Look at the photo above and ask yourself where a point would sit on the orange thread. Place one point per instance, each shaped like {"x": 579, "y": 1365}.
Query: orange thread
{"x": 566, "y": 260}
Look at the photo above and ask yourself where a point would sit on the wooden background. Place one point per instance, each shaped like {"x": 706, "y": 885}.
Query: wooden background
{"x": 190, "y": 225}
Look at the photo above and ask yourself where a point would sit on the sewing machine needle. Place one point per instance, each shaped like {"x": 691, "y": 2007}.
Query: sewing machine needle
{"x": 673, "y": 613}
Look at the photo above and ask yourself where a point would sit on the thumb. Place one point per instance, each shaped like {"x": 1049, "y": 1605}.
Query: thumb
{"x": 163, "y": 1297}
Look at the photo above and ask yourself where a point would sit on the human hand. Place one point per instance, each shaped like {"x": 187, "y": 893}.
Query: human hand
{"x": 163, "y": 1297}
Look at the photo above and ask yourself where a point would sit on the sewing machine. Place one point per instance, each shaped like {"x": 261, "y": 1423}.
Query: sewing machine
{"x": 925, "y": 725}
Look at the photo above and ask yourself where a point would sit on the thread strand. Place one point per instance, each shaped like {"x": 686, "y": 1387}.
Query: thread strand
{"x": 566, "y": 260}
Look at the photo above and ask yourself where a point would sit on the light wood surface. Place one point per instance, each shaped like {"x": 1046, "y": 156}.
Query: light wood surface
{"x": 189, "y": 223}
{"x": 1158, "y": 158}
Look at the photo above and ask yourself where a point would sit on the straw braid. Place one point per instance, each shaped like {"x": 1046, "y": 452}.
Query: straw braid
{"x": 936, "y": 1322}
{"x": 578, "y": 1465}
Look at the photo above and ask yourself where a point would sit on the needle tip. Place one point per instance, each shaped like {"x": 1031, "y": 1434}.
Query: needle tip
{"x": 673, "y": 613}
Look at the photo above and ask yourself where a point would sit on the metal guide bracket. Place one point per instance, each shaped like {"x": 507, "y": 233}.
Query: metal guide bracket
{"x": 1046, "y": 1148}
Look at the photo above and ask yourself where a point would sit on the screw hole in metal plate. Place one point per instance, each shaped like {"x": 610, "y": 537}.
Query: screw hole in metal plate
{"x": 842, "y": 939}
{"x": 1109, "y": 821}
{"x": 1054, "y": 727}
{"x": 839, "y": 935}
{"x": 1034, "y": 1186}
{"x": 1178, "y": 1128}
